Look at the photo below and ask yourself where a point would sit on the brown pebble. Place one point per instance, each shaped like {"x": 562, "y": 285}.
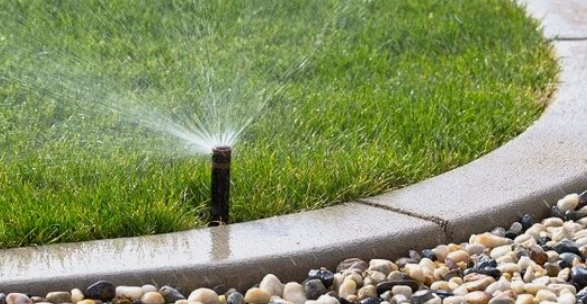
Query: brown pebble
{"x": 538, "y": 255}
{"x": 353, "y": 263}
{"x": 477, "y": 297}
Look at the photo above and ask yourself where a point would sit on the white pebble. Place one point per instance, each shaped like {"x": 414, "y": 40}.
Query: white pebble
{"x": 17, "y": 298}
{"x": 152, "y": 298}
{"x": 347, "y": 288}
{"x": 149, "y": 288}
{"x": 327, "y": 299}
{"x": 294, "y": 292}
{"x": 567, "y": 203}
{"x": 132, "y": 292}
{"x": 415, "y": 272}
{"x": 76, "y": 295}
{"x": 567, "y": 298}
{"x": 257, "y": 296}
{"x": 500, "y": 251}
{"x": 381, "y": 265}
{"x": 204, "y": 296}
{"x": 272, "y": 285}
{"x": 402, "y": 289}
{"x": 545, "y": 295}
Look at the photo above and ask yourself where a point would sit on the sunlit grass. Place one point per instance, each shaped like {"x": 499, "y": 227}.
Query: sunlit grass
{"x": 392, "y": 92}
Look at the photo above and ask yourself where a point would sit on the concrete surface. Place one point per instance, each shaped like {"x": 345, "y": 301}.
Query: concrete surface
{"x": 563, "y": 19}
{"x": 238, "y": 254}
{"x": 527, "y": 174}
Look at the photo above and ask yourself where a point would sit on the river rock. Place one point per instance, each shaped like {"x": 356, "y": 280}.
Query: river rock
{"x": 323, "y": 274}
{"x": 500, "y": 251}
{"x": 538, "y": 255}
{"x": 579, "y": 276}
{"x": 429, "y": 254}
{"x": 567, "y": 246}
{"x": 383, "y": 266}
{"x": 415, "y": 272}
{"x": 489, "y": 240}
{"x": 257, "y": 296}
{"x": 440, "y": 285}
{"x": 568, "y": 203}
{"x": 348, "y": 287}
{"x": 235, "y": 298}
{"x": 567, "y": 298}
{"x": 327, "y": 299}
{"x": 385, "y": 286}
{"x": 372, "y": 277}
{"x": 459, "y": 256}
{"x": 479, "y": 284}
{"x": 37, "y": 299}
{"x": 402, "y": 289}
{"x": 2, "y": 298}
{"x": 87, "y": 301}
{"x": 131, "y": 292}
{"x": 123, "y": 300}
{"x": 477, "y": 297}
{"x": 525, "y": 299}
{"x": 527, "y": 221}
{"x": 170, "y": 294}
{"x": 354, "y": 263}
{"x": 18, "y": 298}
{"x": 474, "y": 249}
{"x": 502, "y": 300}
{"x": 314, "y": 289}
{"x": 502, "y": 285}
{"x": 367, "y": 291}
{"x": 272, "y": 285}
{"x": 421, "y": 297}
{"x": 152, "y": 298}
{"x": 372, "y": 300}
{"x": 58, "y": 297}
{"x": 76, "y": 295}
{"x": 545, "y": 295}
{"x": 101, "y": 290}
{"x": 204, "y": 296}
{"x": 149, "y": 288}
{"x": 294, "y": 292}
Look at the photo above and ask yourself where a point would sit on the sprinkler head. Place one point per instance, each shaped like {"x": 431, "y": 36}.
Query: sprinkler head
{"x": 220, "y": 185}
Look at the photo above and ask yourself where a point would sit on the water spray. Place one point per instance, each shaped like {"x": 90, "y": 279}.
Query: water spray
{"x": 219, "y": 203}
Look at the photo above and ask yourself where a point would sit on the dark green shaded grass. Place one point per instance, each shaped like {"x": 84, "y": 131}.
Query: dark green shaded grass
{"x": 393, "y": 93}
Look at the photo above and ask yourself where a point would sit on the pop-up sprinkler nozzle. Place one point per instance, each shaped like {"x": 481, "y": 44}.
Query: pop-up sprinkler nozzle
{"x": 219, "y": 203}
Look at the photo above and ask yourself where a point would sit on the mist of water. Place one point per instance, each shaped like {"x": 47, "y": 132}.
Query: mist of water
{"x": 222, "y": 100}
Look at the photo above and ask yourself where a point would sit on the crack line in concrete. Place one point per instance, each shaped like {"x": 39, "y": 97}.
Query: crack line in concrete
{"x": 436, "y": 220}
{"x": 569, "y": 39}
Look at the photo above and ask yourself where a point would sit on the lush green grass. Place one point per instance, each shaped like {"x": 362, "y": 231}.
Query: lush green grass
{"x": 392, "y": 92}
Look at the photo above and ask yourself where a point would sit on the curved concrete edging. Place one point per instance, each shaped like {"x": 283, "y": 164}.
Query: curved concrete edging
{"x": 526, "y": 175}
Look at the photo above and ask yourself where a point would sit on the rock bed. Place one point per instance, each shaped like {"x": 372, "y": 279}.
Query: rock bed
{"x": 531, "y": 262}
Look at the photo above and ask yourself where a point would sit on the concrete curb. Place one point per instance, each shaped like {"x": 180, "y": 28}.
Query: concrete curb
{"x": 526, "y": 175}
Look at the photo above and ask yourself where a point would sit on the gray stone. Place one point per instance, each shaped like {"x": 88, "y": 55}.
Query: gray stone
{"x": 235, "y": 298}
{"x": 314, "y": 289}
{"x": 171, "y": 294}
{"x": 101, "y": 290}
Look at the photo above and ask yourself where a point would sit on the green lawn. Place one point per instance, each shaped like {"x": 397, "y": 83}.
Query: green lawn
{"x": 342, "y": 100}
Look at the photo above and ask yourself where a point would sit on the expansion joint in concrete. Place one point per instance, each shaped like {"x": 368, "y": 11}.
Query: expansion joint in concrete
{"x": 569, "y": 39}
{"x": 436, "y": 220}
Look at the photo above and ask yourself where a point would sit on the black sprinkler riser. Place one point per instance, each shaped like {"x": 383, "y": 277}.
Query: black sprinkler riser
{"x": 220, "y": 187}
